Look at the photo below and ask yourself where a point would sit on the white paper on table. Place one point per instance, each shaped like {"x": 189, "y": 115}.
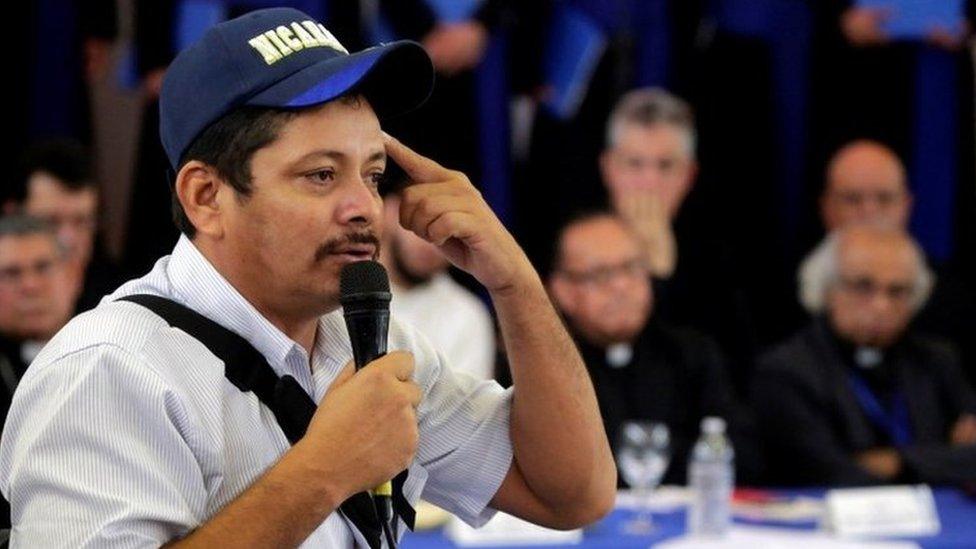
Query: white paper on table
{"x": 884, "y": 511}
{"x": 750, "y": 537}
{"x": 504, "y": 529}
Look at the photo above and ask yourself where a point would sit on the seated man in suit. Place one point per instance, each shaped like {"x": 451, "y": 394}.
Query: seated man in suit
{"x": 858, "y": 397}
{"x": 866, "y": 182}
{"x": 642, "y": 368}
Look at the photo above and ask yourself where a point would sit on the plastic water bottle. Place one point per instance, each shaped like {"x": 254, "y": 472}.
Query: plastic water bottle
{"x": 711, "y": 475}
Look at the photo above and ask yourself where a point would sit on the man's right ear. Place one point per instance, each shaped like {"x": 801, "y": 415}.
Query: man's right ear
{"x": 8, "y": 207}
{"x": 198, "y": 188}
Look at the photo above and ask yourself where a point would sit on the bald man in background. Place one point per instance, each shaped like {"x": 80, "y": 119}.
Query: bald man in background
{"x": 866, "y": 182}
{"x": 859, "y": 396}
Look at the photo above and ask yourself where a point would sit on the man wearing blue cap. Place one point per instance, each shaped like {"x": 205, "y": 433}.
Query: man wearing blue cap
{"x": 128, "y": 431}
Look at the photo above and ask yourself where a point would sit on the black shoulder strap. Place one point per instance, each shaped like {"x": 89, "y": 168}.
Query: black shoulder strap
{"x": 244, "y": 366}
{"x": 249, "y": 371}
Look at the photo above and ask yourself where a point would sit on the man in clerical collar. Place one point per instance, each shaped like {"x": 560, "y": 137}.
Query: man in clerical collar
{"x": 36, "y": 296}
{"x": 866, "y": 182}
{"x": 858, "y": 397}
{"x": 642, "y": 367}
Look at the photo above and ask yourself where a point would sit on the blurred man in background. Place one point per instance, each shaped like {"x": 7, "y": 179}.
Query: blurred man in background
{"x": 858, "y": 397}
{"x": 866, "y": 182}
{"x": 648, "y": 168}
{"x": 456, "y": 322}
{"x": 58, "y": 186}
{"x": 642, "y": 368}
{"x": 37, "y": 294}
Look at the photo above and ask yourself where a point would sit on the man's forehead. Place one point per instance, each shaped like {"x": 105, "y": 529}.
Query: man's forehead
{"x": 877, "y": 255}
{"x": 338, "y": 127}
{"x": 345, "y": 105}
{"x": 42, "y": 184}
{"x": 849, "y": 174}
{"x": 865, "y": 184}
{"x": 602, "y": 240}
{"x": 378, "y": 155}
{"x": 650, "y": 136}
{"x": 21, "y": 248}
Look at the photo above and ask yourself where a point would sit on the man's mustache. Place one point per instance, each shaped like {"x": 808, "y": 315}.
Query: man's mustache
{"x": 333, "y": 245}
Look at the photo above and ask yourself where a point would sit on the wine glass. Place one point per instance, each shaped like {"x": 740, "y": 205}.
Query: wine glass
{"x": 643, "y": 453}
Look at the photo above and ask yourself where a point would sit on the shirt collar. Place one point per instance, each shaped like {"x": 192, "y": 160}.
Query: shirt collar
{"x": 198, "y": 285}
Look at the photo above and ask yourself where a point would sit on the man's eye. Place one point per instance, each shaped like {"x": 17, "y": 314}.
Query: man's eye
{"x": 320, "y": 176}
{"x": 377, "y": 179}
{"x": 43, "y": 267}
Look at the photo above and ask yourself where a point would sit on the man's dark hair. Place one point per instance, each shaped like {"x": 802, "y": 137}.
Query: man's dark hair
{"x": 65, "y": 159}
{"x": 553, "y": 263}
{"x": 229, "y": 144}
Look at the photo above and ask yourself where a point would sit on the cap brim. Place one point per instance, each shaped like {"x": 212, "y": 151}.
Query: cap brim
{"x": 396, "y": 78}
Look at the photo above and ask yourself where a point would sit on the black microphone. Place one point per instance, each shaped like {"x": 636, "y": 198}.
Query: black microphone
{"x": 364, "y": 292}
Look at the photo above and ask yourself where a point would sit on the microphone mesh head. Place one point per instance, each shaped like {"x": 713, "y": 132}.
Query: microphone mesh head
{"x": 363, "y": 277}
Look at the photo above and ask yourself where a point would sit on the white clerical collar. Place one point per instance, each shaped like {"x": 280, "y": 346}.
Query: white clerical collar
{"x": 619, "y": 355}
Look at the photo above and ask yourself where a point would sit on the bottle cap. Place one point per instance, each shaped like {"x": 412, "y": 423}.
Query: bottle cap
{"x": 713, "y": 425}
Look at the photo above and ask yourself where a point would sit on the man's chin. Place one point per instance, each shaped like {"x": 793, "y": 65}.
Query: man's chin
{"x": 874, "y": 338}
{"x": 622, "y": 334}
{"x": 414, "y": 278}
{"x": 36, "y": 330}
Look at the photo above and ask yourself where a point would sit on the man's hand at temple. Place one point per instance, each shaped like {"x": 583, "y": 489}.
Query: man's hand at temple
{"x": 563, "y": 474}
{"x": 443, "y": 207}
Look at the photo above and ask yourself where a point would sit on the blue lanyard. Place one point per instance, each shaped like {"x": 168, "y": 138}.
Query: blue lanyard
{"x": 896, "y": 423}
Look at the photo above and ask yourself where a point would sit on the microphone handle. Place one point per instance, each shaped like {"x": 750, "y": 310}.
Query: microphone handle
{"x": 368, "y": 330}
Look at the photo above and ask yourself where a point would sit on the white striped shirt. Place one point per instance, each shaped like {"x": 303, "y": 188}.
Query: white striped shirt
{"x": 124, "y": 431}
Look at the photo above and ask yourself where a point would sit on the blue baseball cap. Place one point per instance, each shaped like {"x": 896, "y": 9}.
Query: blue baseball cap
{"x": 282, "y": 58}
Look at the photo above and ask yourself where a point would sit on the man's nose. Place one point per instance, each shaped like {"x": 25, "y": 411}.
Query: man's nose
{"x": 67, "y": 237}
{"x": 32, "y": 282}
{"x": 620, "y": 281}
{"x": 869, "y": 208}
{"x": 651, "y": 176}
{"x": 359, "y": 203}
{"x": 881, "y": 302}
